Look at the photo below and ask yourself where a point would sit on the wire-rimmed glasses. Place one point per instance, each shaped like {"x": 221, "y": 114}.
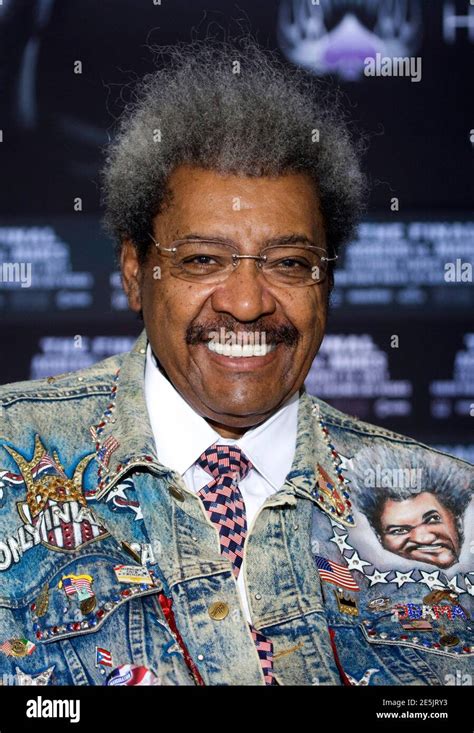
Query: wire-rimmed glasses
{"x": 211, "y": 262}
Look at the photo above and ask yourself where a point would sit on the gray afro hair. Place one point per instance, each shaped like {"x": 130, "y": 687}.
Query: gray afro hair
{"x": 236, "y": 108}
{"x": 405, "y": 472}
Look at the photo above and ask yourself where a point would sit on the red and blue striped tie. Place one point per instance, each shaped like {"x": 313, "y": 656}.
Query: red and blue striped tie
{"x": 225, "y": 506}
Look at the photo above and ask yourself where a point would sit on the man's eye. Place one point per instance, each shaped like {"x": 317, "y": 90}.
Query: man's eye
{"x": 199, "y": 261}
{"x": 201, "y": 264}
{"x": 434, "y": 519}
{"x": 292, "y": 264}
{"x": 397, "y": 531}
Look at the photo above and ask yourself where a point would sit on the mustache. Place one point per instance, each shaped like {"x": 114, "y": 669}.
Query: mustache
{"x": 416, "y": 545}
{"x": 284, "y": 333}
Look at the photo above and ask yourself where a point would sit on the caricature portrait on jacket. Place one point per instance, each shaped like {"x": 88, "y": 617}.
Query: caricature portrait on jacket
{"x": 415, "y": 504}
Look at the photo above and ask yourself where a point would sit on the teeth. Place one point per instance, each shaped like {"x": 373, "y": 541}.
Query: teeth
{"x": 237, "y": 350}
{"x": 216, "y": 347}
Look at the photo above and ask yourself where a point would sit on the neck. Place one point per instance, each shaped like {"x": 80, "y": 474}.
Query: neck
{"x": 225, "y": 431}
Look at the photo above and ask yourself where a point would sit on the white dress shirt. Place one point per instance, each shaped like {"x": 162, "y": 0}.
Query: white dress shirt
{"x": 181, "y": 435}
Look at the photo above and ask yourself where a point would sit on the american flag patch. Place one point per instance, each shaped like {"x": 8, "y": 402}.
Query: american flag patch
{"x": 109, "y": 445}
{"x": 334, "y": 573}
{"x": 6, "y": 647}
{"x": 73, "y": 584}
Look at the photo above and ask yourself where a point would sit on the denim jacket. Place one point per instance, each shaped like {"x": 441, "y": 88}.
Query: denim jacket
{"x": 108, "y": 560}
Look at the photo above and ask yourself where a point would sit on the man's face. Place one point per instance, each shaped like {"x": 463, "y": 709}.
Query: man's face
{"x": 420, "y": 529}
{"x": 233, "y": 393}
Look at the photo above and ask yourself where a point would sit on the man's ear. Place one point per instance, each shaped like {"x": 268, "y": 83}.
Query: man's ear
{"x": 131, "y": 275}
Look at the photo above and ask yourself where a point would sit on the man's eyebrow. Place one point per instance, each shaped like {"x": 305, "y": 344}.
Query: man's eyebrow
{"x": 398, "y": 526}
{"x": 428, "y": 514}
{"x": 424, "y": 517}
{"x": 293, "y": 238}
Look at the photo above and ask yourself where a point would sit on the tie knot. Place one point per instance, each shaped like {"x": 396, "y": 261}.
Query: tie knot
{"x": 219, "y": 460}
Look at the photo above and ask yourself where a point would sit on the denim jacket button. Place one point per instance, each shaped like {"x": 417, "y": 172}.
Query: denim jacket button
{"x": 258, "y": 596}
{"x": 218, "y": 610}
{"x": 177, "y": 493}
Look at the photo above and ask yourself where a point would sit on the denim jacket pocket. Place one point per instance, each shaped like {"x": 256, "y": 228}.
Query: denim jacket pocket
{"x": 85, "y": 617}
{"x": 440, "y": 647}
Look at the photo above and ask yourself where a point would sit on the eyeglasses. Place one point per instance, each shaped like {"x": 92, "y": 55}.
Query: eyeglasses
{"x": 211, "y": 262}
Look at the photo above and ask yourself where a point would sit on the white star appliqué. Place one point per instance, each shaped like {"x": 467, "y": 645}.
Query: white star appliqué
{"x": 402, "y": 578}
{"x": 38, "y": 680}
{"x": 346, "y": 463}
{"x": 453, "y": 585}
{"x": 340, "y": 541}
{"x": 356, "y": 563}
{"x": 431, "y": 579}
{"x": 117, "y": 492}
{"x": 138, "y": 512}
{"x": 118, "y": 496}
{"x": 378, "y": 577}
{"x": 469, "y": 585}
{"x": 365, "y": 679}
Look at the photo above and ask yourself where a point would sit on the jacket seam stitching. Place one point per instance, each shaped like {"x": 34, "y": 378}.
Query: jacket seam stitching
{"x": 51, "y": 398}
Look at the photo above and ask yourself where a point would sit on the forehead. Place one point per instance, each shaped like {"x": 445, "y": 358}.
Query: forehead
{"x": 231, "y": 203}
{"x": 408, "y": 509}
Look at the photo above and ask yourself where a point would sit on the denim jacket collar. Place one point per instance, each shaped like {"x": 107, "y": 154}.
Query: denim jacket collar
{"x": 125, "y": 420}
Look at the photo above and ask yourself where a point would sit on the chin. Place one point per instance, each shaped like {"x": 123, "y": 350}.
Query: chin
{"x": 235, "y": 401}
{"x": 441, "y": 561}
{"x": 447, "y": 560}
{"x": 239, "y": 414}
{"x": 239, "y": 418}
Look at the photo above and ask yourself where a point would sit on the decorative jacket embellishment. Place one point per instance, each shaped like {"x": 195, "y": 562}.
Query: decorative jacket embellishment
{"x": 55, "y": 513}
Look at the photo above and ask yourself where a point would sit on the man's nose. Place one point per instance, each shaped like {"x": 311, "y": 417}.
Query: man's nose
{"x": 423, "y": 535}
{"x": 244, "y": 294}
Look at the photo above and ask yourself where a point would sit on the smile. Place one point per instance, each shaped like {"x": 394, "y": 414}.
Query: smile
{"x": 240, "y": 350}
{"x": 429, "y": 548}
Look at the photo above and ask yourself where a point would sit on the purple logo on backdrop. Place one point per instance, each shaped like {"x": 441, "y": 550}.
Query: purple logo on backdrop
{"x": 336, "y": 36}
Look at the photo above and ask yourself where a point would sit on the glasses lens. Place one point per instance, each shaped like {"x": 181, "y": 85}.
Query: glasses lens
{"x": 212, "y": 262}
{"x": 206, "y": 261}
{"x": 295, "y": 265}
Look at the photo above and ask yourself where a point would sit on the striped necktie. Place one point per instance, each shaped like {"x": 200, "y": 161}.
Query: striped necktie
{"x": 225, "y": 506}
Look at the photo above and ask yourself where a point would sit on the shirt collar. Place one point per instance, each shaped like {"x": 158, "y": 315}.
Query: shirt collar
{"x": 181, "y": 435}
{"x": 126, "y": 421}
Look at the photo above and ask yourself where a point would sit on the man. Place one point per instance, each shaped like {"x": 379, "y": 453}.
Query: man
{"x": 181, "y": 514}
